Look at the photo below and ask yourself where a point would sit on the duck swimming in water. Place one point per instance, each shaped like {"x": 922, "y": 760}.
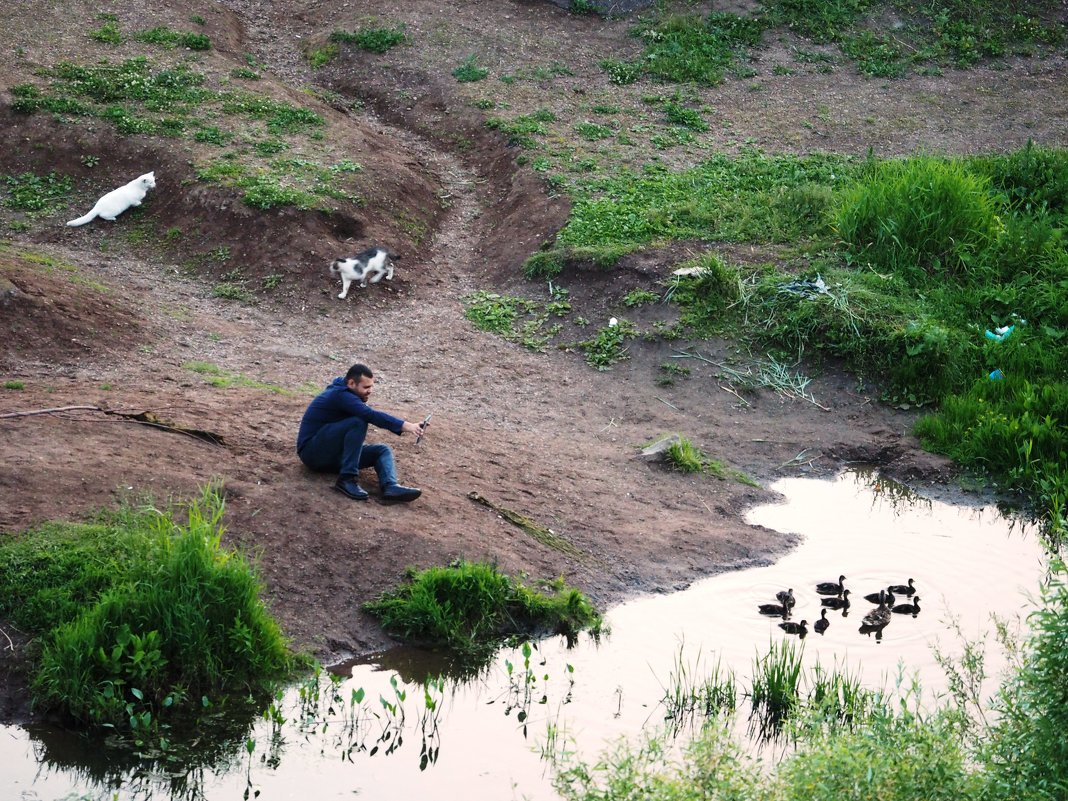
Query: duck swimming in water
{"x": 774, "y": 610}
{"x": 903, "y": 589}
{"x": 876, "y": 597}
{"x": 908, "y": 609}
{"x": 831, "y": 587}
{"x": 786, "y": 597}
{"x": 836, "y": 603}
{"x": 800, "y": 629}
{"x": 822, "y": 623}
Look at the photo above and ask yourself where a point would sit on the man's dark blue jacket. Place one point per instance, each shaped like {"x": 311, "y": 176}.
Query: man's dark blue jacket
{"x": 337, "y": 402}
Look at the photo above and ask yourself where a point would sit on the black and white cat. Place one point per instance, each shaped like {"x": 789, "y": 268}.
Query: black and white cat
{"x": 369, "y": 265}
{"x": 118, "y": 200}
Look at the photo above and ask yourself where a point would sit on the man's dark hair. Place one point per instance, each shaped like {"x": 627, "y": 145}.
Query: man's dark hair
{"x": 358, "y": 370}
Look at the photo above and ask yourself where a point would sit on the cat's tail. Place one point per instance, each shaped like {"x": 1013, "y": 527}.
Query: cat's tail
{"x": 83, "y": 220}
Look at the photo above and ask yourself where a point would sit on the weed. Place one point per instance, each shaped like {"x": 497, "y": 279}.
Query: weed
{"x": 272, "y": 281}
{"x": 14, "y": 385}
{"x": 469, "y": 70}
{"x": 639, "y": 297}
{"x": 593, "y": 132}
{"x": 608, "y": 345}
{"x": 321, "y": 56}
{"x": 245, "y": 74}
{"x": 90, "y": 161}
{"x": 685, "y": 457}
{"x": 686, "y": 117}
{"x": 231, "y": 291}
{"x": 495, "y": 313}
{"x": 108, "y": 33}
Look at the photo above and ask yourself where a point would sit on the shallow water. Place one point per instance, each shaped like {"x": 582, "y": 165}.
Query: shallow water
{"x": 482, "y": 738}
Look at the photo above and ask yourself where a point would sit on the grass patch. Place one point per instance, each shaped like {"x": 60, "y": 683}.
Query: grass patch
{"x": 471, "y": 607}
{"x": 142, "y": 618}
{"x": 223, "y": 379}
{"x": 162, "y": 35}
{"x": 38, "y": 194}
{"x": 530, "y": 323}
{"x": 372, "y": 39}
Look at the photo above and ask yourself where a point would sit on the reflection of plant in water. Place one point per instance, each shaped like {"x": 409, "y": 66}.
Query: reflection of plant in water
{"x": 358, "y": 727}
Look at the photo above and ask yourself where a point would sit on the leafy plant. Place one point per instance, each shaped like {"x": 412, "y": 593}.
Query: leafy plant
{"x": 608, "y": 345}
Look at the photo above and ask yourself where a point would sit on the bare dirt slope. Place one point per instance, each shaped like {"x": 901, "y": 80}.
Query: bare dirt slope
{"x": 97, "y": 316}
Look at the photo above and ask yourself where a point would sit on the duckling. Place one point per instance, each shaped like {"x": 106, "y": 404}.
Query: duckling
{"x": 774, "y": 610}
{"x": 837, "y": 603}
{"x": 830, "y": 587}
{"x": 908, "y": 609}
{"x": 876, "y": 597}
{"x": 786, "y": 597}
{"x": 799, "y": 629}
{"x": 903, "y": 589}
{"x": 822, "y": 623}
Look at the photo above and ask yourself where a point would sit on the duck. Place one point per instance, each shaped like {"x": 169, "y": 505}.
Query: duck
{"x": 801, "y": 629}
{"x": 903, "y": 589}
{"x": 774, "y": 610}
{"x": 786, "y": 597}
{"x": 908, "y": 609}
{"x": 877, "y": 597}
{"x": 830, "y": 587}
{"x": 876, "y": 620}
{"x": 822, "y": 623}
{"x": 836, "y": 603}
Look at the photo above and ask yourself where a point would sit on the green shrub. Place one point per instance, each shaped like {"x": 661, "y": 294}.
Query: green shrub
{"x": 468, "y": 607}
{"x": 181, "y": 622}
{"x": 108, "y": 33}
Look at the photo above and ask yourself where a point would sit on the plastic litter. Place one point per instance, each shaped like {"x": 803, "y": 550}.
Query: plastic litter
{"x": 997, "y": 375}
{"x": 1000, "y": 334}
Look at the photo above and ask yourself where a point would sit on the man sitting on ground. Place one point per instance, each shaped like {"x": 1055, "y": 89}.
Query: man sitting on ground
{"x": 332, "y": 433}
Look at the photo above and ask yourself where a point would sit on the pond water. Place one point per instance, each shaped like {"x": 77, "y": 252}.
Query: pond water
{"x": 487, "y": 737}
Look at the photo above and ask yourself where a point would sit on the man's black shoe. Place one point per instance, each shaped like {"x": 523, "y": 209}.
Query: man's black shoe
{"x": 349, "y": 486}
{"x": 396, "y": 492}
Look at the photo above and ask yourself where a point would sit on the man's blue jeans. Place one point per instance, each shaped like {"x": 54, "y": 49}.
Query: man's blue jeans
{"x": 338, "y": 448}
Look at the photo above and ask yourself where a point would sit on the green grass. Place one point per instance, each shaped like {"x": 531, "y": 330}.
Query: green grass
{"x": 223, "y": 379}
{"x": 372, "y": 39}
{"x": 162, "y": 35}
{"x": 39, "y": 194}
{"x": 469, "y": 607}
{"x": 142, "y": 615}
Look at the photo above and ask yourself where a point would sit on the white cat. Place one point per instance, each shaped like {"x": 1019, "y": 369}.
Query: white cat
{"x": 374, "y": 262}
{"x": 118, "y": 200}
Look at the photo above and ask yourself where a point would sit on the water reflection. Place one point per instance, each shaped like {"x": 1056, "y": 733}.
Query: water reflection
{"x": 406, "y": 723}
